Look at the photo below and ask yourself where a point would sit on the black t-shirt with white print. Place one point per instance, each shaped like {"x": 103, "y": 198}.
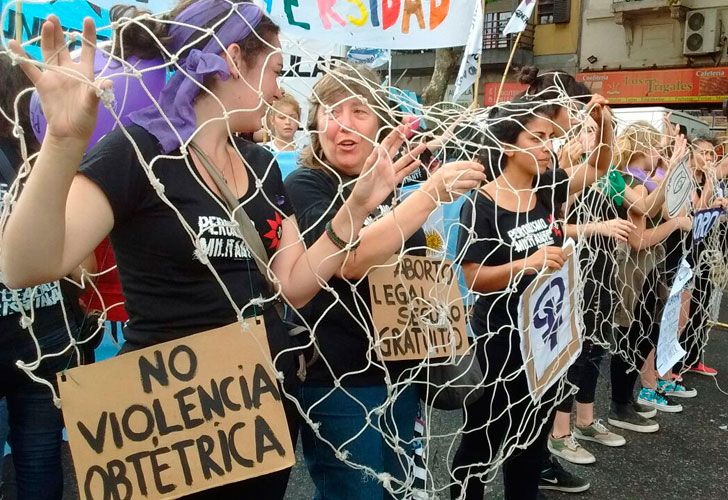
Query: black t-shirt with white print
{"x": 42, "y": 301}
{"x": 340, "y": 336}
{"x": 169, "y": 293}
{"x": 500, "y": 236}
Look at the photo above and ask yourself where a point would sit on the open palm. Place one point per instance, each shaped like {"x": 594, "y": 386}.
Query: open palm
{"x": 65, "y": 87}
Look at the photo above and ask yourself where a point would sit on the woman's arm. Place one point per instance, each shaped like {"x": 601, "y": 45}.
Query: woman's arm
{"x": 483, "y": 279}
{"x": 613, "y": 228}
{"x": 642, "y": 238}
{"x": 380, "y": 240}
{"x": 599, "y": 161}
{"x": 60, "y": 217}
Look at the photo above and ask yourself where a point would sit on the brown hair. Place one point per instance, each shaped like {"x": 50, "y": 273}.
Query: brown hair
{"x": 342, "y": 82}
{"x": 286, "y": 100}
{"x": 639, "y": 138}
{"x": 12, "y": 82}
{"x": 145, "y": 37}
{"x": 549, "y": 85}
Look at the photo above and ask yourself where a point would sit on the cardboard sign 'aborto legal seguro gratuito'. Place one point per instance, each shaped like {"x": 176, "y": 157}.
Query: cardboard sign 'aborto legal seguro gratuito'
{"x": 177, "y": 417}
{"x": 417, "y": 309}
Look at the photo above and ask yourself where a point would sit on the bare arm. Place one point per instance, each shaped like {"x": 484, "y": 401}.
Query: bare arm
{"x": 599, "y": 161}
{"x": 380, "y": 240}
{"x": 642, "y": 238}
{"x": 483, "y": 279}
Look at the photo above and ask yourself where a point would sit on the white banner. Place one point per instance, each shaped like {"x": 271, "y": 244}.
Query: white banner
{"x": 519, "y": 19}
{"x": 468, "y": 72}
{"x": 669, "y": 350}
{"x": 388, "y": 24}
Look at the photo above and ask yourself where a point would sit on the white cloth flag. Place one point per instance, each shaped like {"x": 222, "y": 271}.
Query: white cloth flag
{"x": 471, "y": 57}
{"x": 519, "y": 19}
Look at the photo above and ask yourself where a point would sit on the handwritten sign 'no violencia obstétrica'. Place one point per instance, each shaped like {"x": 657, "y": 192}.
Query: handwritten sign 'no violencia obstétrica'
{"x": 178, "y": 417}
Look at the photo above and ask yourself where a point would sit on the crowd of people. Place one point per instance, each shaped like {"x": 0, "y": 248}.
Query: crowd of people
{"x": 84, "y": 212}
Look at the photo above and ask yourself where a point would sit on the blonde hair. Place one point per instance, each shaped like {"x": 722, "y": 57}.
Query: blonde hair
{"x": 639, "y": 138}
{"x": 286, "y": 100}
{"x": 343, "y": 82}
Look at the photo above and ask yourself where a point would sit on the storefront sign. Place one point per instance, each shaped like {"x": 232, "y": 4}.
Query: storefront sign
{"x": 685, "y": 85}
{"x": 509, "y": 92}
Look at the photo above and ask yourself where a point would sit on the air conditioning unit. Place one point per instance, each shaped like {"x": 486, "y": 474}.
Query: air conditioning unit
{"x": 702, "y": 32}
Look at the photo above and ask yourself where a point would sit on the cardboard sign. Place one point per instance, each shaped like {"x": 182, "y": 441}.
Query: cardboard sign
{"x": 550, "y": 341}
{"x": 669, "y": 351}
{"x": 704, "y": 221}
{"x": 178, "y": 417}
{"x": 417, "y": 309}
{"x": 678, "y": 187}
{"x": 391, "y": 24}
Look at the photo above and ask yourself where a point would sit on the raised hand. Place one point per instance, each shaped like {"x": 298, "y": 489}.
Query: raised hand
{"x": 454, "y": 179}
{"x": 67, "y": 90}
{"x": 570, "y": 154}
{"x": 380, "y": 175}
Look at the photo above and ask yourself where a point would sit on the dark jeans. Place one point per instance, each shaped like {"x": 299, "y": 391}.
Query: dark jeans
{"x": 505, "y": 416}
{"x": 351, "y": 422}
{"x": 598, "y": 313}
{"x": 34, "y": 421}
{"x": 584, "y": 373}
{"x": 695, "y": 336}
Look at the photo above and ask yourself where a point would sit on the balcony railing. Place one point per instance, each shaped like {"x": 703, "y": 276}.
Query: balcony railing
{"x": 495, "y": 22}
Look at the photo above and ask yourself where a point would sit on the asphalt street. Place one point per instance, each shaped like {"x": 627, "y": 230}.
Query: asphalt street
{"x": 687, "y": 458}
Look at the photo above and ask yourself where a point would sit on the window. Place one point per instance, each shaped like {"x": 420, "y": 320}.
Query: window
{"x": 545, "y": 11}
{"x": 554, "y": 11}
{"x": 495, "y": 22}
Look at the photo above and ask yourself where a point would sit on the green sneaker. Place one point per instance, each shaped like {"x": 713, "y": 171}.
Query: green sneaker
{"x": 599, "y": 433}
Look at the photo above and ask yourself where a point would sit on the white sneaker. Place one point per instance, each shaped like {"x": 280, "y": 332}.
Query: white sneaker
{"x": 568, "y": 449}
{"x": 599, "y": 433}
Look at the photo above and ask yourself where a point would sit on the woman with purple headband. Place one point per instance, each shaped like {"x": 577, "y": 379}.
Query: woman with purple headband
{"x": 222, "y": 86}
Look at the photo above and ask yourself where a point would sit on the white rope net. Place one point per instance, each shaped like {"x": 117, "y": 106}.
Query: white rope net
{"x": 625, "y": 288}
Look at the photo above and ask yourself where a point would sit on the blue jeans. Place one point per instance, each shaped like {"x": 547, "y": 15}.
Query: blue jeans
{"x": 35, "y": 422}
{"x": 368, "y": 441}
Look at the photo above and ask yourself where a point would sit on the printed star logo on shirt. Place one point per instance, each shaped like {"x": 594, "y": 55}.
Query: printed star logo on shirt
{"x": 554, "y": 226}
{"x": 276, "y": 231}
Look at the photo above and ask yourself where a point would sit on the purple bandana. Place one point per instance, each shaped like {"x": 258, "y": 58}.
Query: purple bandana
{"x": 178, "y": 96}
{"x": 643, "y": 177}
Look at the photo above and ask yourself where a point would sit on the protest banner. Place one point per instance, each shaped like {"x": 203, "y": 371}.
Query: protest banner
{"x": 178, "y": 417}
{"x": 378, "y": 24}
{"x": 550, "y": 340}
{"x": 678, "y": 187}
{"x": 417, "y": 309}
{"x": 669, "y": 350}
{"x": 703, "y": 222}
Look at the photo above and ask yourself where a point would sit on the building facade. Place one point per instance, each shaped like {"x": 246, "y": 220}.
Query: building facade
{"x": 670, "y": 53}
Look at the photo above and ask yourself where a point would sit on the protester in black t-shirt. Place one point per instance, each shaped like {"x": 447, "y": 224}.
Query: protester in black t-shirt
{"x": 169, "y": 228}
{"x": 348, "y": 387}
{"x": 515, "y": 234}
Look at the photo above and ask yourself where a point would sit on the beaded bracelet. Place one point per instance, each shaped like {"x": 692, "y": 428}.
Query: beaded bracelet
{"x": 341, "y": 244}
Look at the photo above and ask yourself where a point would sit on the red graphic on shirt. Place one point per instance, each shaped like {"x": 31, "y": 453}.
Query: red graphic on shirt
{"x": 276, "y": 231}
{"x": 554, "y": 226}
